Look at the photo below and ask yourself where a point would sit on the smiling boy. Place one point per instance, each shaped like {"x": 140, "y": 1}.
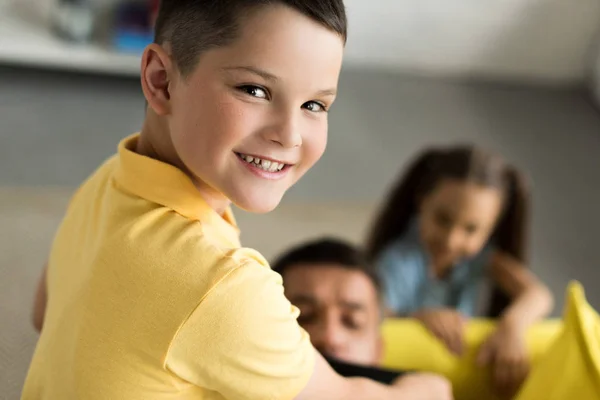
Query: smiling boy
{"x": 149, "y": 293}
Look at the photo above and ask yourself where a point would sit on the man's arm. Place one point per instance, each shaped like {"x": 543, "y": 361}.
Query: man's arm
{"x": 39, "y": 304}
{"x": 326, "y": 384}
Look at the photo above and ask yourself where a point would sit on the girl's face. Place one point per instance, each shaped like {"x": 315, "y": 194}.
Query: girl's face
{"x": 456, "y": 219}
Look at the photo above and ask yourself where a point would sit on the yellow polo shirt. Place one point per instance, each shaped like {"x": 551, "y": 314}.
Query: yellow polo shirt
{"x": 151, "y": 297}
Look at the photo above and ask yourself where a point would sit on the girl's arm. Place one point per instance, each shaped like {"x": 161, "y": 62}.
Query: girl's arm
{"x": 531, "y": 299}
{"x": 39, "y": 304}
{"x": 505, "y": 349}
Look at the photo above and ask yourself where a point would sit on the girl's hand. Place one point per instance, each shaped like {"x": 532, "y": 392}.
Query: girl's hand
{"x": 506, "y": 352}
{"x": 447, "y": 325}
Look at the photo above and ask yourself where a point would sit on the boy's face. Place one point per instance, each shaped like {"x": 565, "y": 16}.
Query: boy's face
{"x": 339, "y": 308}
{"x": 262, "y": 99}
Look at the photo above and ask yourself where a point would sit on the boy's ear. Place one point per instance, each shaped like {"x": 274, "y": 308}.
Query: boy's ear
{"x": 157, "y": 73}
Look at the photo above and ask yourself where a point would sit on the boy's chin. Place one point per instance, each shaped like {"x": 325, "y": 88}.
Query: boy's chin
{"x": 258, "y": 204}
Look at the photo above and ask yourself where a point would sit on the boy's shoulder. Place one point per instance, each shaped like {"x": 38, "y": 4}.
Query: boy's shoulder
{"x": 150, "y": 250}
{"x": 159, "y": 242}
{"x": 146, "y": 215}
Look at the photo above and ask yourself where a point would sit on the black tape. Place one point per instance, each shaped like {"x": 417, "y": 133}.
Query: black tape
{"x": 381, "y": 375}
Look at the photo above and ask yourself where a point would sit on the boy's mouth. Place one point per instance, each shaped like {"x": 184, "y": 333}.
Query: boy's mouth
{"x": 265, "y": 165}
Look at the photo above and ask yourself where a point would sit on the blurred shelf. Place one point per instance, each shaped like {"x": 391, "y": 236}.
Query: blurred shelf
{"x": 25, "y": 43}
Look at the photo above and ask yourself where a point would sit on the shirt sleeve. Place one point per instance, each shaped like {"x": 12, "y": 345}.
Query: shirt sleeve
{"x": 397, "y": 272}
{"x": 243, "y": 340}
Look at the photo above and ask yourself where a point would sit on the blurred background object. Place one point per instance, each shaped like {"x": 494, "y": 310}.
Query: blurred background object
{"x": 132, "y": 26}
{"x": 518, "y": 77}
{"x": 104, "y": 37}
{"x": 73, "y": 19}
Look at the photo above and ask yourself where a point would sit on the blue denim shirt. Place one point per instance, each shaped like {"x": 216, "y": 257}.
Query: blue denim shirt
{"x": 408, "y": 287}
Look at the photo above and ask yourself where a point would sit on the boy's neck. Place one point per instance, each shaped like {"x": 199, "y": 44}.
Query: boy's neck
{"x": 155, "y": 142}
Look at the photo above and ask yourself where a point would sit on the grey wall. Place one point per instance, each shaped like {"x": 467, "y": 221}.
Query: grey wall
{"x": 55, "y": 129}
{"x": 545, "y": 40}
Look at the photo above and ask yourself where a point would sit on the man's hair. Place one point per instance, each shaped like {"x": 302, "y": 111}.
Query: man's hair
{"x": 328, "y": 251}
{"x": 194, "y": 26}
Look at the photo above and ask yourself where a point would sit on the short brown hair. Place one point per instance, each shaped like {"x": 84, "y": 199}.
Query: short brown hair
{"x": 194, "y": 26}
{"x": 328, "y": 250}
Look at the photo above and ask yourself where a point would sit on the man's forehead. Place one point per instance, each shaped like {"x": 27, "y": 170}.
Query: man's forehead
{"x": 329, "y": 281}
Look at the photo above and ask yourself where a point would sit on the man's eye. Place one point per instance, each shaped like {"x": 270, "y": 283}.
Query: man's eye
{"x": 254, "y": 91}
{"x": 314, "y": 106}
{"x": 352, "y": 323}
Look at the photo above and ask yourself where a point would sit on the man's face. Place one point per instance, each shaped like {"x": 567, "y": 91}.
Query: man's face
{"x": 339, "y": 308}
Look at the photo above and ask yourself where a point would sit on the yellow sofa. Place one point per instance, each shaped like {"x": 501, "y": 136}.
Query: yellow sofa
{"x": 565, "y": 355}
{"x": 570, "y": 368}
{"x": 409, "y": 346}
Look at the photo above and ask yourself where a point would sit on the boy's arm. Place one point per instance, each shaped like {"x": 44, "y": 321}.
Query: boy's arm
{"x": 243, "y": 342}
{"x": 39, "y": 304}
{"x": 326, "y": 384}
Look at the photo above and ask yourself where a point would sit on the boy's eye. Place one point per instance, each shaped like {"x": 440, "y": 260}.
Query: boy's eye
{"x": 314, "y": 106}
{"x": 254, "y": 91}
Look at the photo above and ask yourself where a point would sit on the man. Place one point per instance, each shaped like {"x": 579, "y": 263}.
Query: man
{"x": 338, "y": 295}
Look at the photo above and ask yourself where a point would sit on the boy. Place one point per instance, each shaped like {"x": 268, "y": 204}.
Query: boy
{"x": 149, "y": 295}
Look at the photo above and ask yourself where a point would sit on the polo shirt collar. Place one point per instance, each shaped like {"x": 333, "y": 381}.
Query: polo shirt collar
{"x": 164, "y": 184}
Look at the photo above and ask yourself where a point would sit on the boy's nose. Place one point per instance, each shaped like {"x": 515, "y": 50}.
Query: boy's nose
{"x": 286, "y": 132}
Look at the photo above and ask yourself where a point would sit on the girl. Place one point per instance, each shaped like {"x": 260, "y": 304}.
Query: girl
{"x": 458, "y": 217}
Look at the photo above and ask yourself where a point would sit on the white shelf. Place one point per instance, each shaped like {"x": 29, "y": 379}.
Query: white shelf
{"x": 26, "y": 43}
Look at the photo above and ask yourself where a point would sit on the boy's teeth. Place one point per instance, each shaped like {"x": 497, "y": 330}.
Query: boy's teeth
{"x": 267, "y": 165}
